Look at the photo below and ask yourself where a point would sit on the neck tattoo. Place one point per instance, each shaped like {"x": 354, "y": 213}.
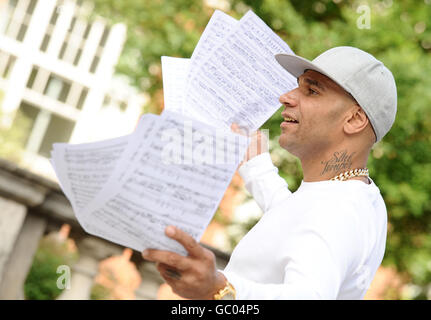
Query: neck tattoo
{"x": 340, "y": 161}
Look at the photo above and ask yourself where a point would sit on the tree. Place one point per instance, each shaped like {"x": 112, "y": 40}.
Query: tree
{"x": 155, "y": 28}
{"x": 398, "y": 35}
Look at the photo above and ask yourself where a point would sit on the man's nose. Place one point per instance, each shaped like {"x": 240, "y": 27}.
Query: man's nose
{"x": 288, "y": 99}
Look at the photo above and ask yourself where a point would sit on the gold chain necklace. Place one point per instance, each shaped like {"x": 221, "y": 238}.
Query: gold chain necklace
{"x": 350, "y": 174}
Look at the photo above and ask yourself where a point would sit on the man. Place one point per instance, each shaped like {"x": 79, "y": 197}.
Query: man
{"x": 327, "y": 239}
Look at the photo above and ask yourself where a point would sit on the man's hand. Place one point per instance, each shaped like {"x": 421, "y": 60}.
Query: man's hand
{"x": 258, "y": 143}
{"x": 192, "y": 277}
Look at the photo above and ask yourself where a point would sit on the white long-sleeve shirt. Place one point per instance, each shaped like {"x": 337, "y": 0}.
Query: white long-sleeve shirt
{"x": 324, "y": 241}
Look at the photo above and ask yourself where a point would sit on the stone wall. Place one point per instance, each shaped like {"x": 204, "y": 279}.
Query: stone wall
{"x": 31, "y": 207}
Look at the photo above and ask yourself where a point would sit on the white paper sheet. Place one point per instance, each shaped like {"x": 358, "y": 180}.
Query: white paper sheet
{"x": 156, "y": 193}
{"x": 218, "y": 27}
{"x": 87, "y": 167}
{"x": 175, "y": 71}
{"x": 174, "y": 169}
{"x": 240, "y": 81}
{"x": 83, "y": 170}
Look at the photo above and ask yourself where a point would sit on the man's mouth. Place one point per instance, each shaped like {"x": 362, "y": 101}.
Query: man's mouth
{"x": 289, "y": 119}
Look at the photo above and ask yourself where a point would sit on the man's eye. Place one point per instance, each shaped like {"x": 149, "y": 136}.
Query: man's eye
{"x": 311, "y": 91}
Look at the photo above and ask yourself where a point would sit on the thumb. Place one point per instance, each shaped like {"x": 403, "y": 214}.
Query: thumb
{"x": 237, "y": 129}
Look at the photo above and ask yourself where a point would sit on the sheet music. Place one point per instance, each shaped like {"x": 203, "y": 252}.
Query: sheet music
{"x": 240, "y": 81}
{"x": 87, "y": 167}
{"x": 83, "y": 169}
{"x": 174, "y": 168}
{"x": 156, "y": 193}
{"x": 218, "y": 27}
{"x": 139, "y": 140}
{"x": 175, "y": 71}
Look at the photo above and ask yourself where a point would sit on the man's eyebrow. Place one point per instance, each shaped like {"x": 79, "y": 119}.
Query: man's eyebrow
{"x": 313, "y": 83}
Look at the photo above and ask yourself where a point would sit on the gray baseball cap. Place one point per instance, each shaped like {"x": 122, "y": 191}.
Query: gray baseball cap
{"x": 359, "y": 73}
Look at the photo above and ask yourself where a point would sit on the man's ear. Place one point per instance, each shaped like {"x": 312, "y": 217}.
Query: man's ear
{"x": 356, "y": 122}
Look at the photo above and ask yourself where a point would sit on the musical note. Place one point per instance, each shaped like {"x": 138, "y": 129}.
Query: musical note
{"x": 174, "y": 168}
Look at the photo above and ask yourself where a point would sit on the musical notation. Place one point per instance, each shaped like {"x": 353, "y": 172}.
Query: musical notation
{"x": 174, "y": 168}
{"x": 127, "y": 190}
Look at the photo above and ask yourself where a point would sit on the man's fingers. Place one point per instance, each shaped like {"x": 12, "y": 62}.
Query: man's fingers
{"x": 166, "y": 269}
{"x": 173, "y": 274}
{"x": 186, "y": 240}
{"x": 169, "y": 258}
{"x": 234, "y": 127}
{"x": 237, "y": 129}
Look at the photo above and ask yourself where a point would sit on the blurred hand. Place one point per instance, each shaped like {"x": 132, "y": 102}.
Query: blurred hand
{"x": 258, "y": 143}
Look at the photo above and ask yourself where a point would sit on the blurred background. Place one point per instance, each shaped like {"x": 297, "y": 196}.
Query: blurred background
{"x": 79, "y": 71}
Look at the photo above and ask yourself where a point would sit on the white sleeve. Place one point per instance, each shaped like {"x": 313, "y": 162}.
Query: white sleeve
{"x": 261, "y": 179}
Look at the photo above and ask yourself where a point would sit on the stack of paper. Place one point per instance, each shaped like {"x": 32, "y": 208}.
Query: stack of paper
{"x": 232, "y": 75}
{"x": 174, "y": 168}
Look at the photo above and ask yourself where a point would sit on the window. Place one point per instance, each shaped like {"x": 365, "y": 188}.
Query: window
{"x": 16, "y": 18}
{"x": 44, "y": 128}
{"x": 54, "y": 15}
{"x": 123, "y": 106}
{"x": 59, "y": 130}
{"x": 87, "y": 31}
{"x": 31, "y": 6}
{"x": 6, "y": 16}
{"x": 82, "y": 98}
{"x": 38, "y": 79}
{"x": 57, "y": 88}
{"x": 110, "y": 102}
{"x": 21, "y": 32}
{"x": 32, "y": 78}
{"x": 74, "y": 40}
{"x": 63, "y": 48}
{"x": 104, "y": 37}
{"x": 27, "y": 114}
{"x": 72, "y": 24}
{"x": 77, "y": 57}
{"x": 94, "y": 64}
{"x": 7, "y": 62}
{"x": 99, "y": 50}
{"x": 51, "y": 26}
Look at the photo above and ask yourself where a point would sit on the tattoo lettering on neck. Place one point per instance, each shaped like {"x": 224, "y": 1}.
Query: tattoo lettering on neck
{"x": 340, "y": 161}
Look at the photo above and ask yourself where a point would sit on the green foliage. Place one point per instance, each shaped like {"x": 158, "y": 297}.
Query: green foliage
{"x": 12, "y": 140}
{"x": 399, "y": 35}
{"x": 155, "y": 28}
{"x": 99, "y": 292}
{"x": 400, "y": 164}
{"x": 41, "y": 282}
